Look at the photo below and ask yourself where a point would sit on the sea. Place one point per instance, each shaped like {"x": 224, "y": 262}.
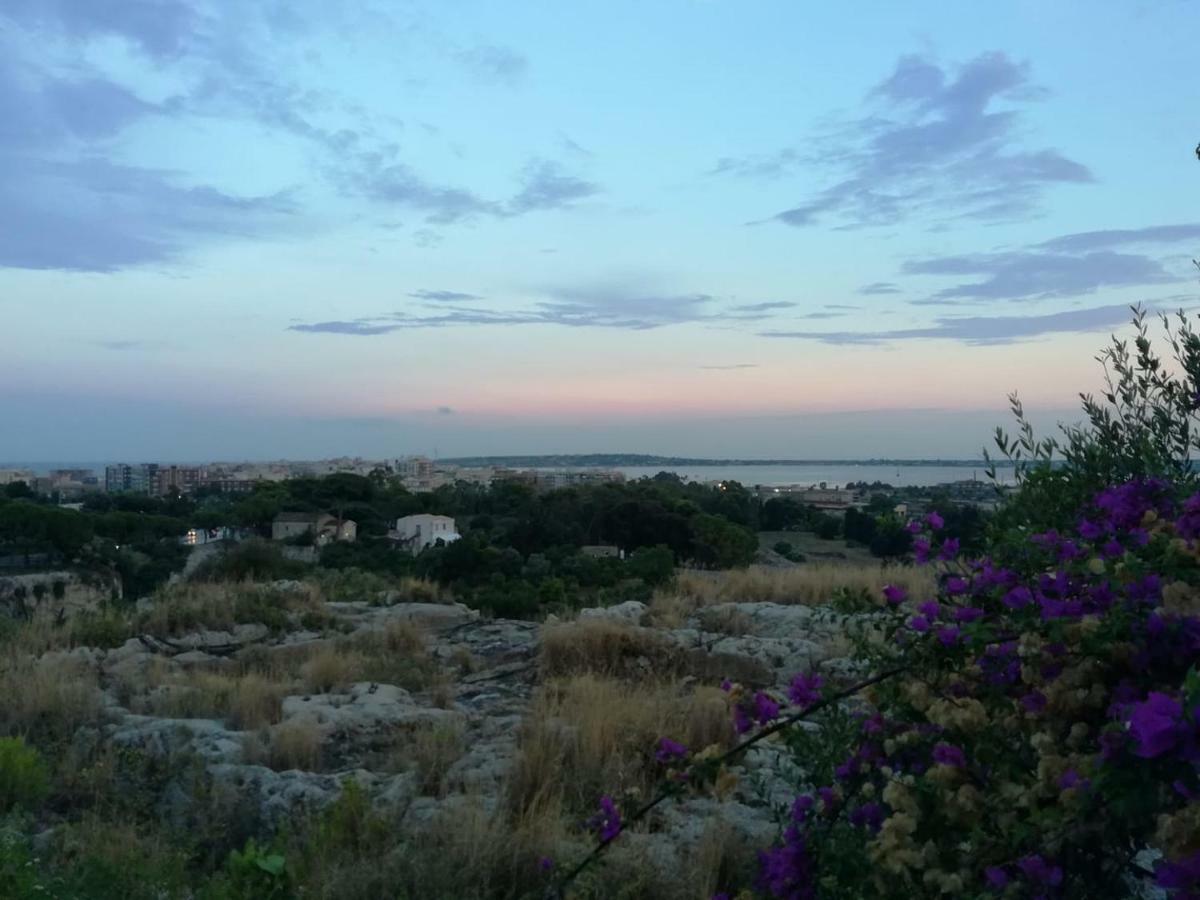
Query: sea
{"x": 831, "y": 475}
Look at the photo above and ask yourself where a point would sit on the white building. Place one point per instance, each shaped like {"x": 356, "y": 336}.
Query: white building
{"x": 424, "y": 530}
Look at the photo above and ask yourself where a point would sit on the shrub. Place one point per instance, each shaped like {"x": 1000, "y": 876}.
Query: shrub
{"x": 253, "y": 560}
{"x": 105, "y": 629}
{"x": 23, "y": 778}
{"x": 1030, "y": 727}
{"x": 653, "y": 565}
{"x": 254, "y": 873}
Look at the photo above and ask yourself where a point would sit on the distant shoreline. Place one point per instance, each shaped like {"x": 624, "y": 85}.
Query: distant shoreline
{"x": 621, "y": 460}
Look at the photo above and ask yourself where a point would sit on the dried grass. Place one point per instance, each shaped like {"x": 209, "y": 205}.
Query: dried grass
{"x": 809, "y": 585}
{"x": 432, "y": 752}
{"x": 256, "y": 701}
{"x": 47, "y": 698}
{"x": 609, "y": 648}
{"x": 294, "y": 744}
{"x": 332, "y": 668}
{"x": 178, "y": 609}
{"x": 588, "y": 735}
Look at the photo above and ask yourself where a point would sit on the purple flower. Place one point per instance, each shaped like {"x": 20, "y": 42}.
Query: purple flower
{"x": 805, "y": 690}
{"x": 1039, "y": 871}
{"x": 545, "y": 864}
{"x": 956, "y": 585}
{"x": 1154, "y": 724}
{"x": 934, "y": 521}
{"x": 1018, "y": 597}
{"x": 801, "y": 807}
{"x": 1034, "y": 702}
{"x": 930, "y": 609}
{"x": 787, "y": 871}
{"x": 766, "y": 709}
{"x": 1071, "y": 778}
{"x": 726, "y": 685}
{"x": 921, "y": 550}
{"x": 1181, "y": 875}
{"x": 894, "y": 595}
{"x": 1090, "y": 531}
{"x": 949, "y": 755}
{"x": 741, "y": 722}
{"x": 669, "y": 750}
{"x": 997, "y": 878}
{"x": 919, "y": 624}
{"x": 913, "y": 527}
{"x": 949, "y": 635}
{"x": 828, "y": 798}
{"x": 1047, "y": 540}
{"x": 869, "y": 815}
{"x": 949, "y": 549}
{"x": 608, "y": 821}
{"x": 968, "y": 614}
{"x": 1112, "y": 547}
{"x": 1069, "y": 550}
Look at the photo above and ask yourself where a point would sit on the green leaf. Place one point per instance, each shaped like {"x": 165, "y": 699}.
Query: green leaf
{"x": 1191, "y": 686}
{"x": 272, "y": 865}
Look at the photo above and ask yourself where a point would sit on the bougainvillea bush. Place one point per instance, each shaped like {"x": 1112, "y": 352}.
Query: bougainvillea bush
{"x": 1032, "y": 727}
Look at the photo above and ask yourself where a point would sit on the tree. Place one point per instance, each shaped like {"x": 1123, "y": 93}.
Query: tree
{"x": 654, "y": 565}
{"x": 720, "y": 544}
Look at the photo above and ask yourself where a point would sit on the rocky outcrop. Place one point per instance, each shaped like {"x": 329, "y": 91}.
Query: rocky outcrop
{"x": 366, "y": 709}
{"x": 489, "y": 671}
{"x": 57, "y": 594}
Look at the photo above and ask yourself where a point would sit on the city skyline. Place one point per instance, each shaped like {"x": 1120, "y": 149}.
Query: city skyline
{"x": 685, "y": 228}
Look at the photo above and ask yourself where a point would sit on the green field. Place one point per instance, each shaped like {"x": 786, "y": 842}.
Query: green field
{"x": 817, "y": 549}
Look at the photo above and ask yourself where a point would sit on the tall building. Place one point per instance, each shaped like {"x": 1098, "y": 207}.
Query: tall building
{"x": 152, "y": 478}
{"x": 118, "y": 478}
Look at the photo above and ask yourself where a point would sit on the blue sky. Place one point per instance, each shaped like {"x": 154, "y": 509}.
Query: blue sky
{"x": 687, "y": 226}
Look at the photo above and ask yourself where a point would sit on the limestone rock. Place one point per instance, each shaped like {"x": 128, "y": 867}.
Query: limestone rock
{"x": 631, "y": 612}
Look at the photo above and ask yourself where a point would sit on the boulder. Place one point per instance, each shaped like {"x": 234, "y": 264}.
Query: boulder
{"x": 365, "y": 708}
{"x": 630, "y": 612}
{"x": 207, "y": 738}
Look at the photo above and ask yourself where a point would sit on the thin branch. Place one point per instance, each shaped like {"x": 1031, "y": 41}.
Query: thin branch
{"x": 558, "y": 891}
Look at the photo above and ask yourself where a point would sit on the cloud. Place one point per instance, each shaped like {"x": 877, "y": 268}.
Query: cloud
{"x": 880, "y": 287}
{"x": 763, "y": 307}
{"x": 67, "y": 199}
{"x": 356, "y": 328}
{"x": 445, "y": 411}
{"x": 822, "y": 315}
{"x": 444, "y": 296}
{"x": 730, "y": 367}
{"x": 93, "y": 215}
{"x": 121, "y": 346}
{"x": 1121, "y": 237}
{"x": 398, "y": 185}
{"x": 1030, "y": 275}
{"x": 220, "y": 66}
{"x": 492, "y": 63}
{"x": 616, "y": 305}
{"x": 160, "y": 28}
{"x": 978, "y": 330}
{"x": 934, "y": 142}
{"x": 770, "y": 166}
{"x": 546, "y": 186}
{"x": 841, "y": 306}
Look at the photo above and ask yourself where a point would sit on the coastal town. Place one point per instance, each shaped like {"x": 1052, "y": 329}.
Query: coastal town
{"x": 420, "y": 474}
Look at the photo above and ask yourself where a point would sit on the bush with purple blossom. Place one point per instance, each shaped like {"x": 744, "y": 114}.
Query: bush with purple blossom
{"x": 1033, "y": 728}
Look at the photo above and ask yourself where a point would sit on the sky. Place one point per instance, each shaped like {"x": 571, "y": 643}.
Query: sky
{"x": 759, "y": 228}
